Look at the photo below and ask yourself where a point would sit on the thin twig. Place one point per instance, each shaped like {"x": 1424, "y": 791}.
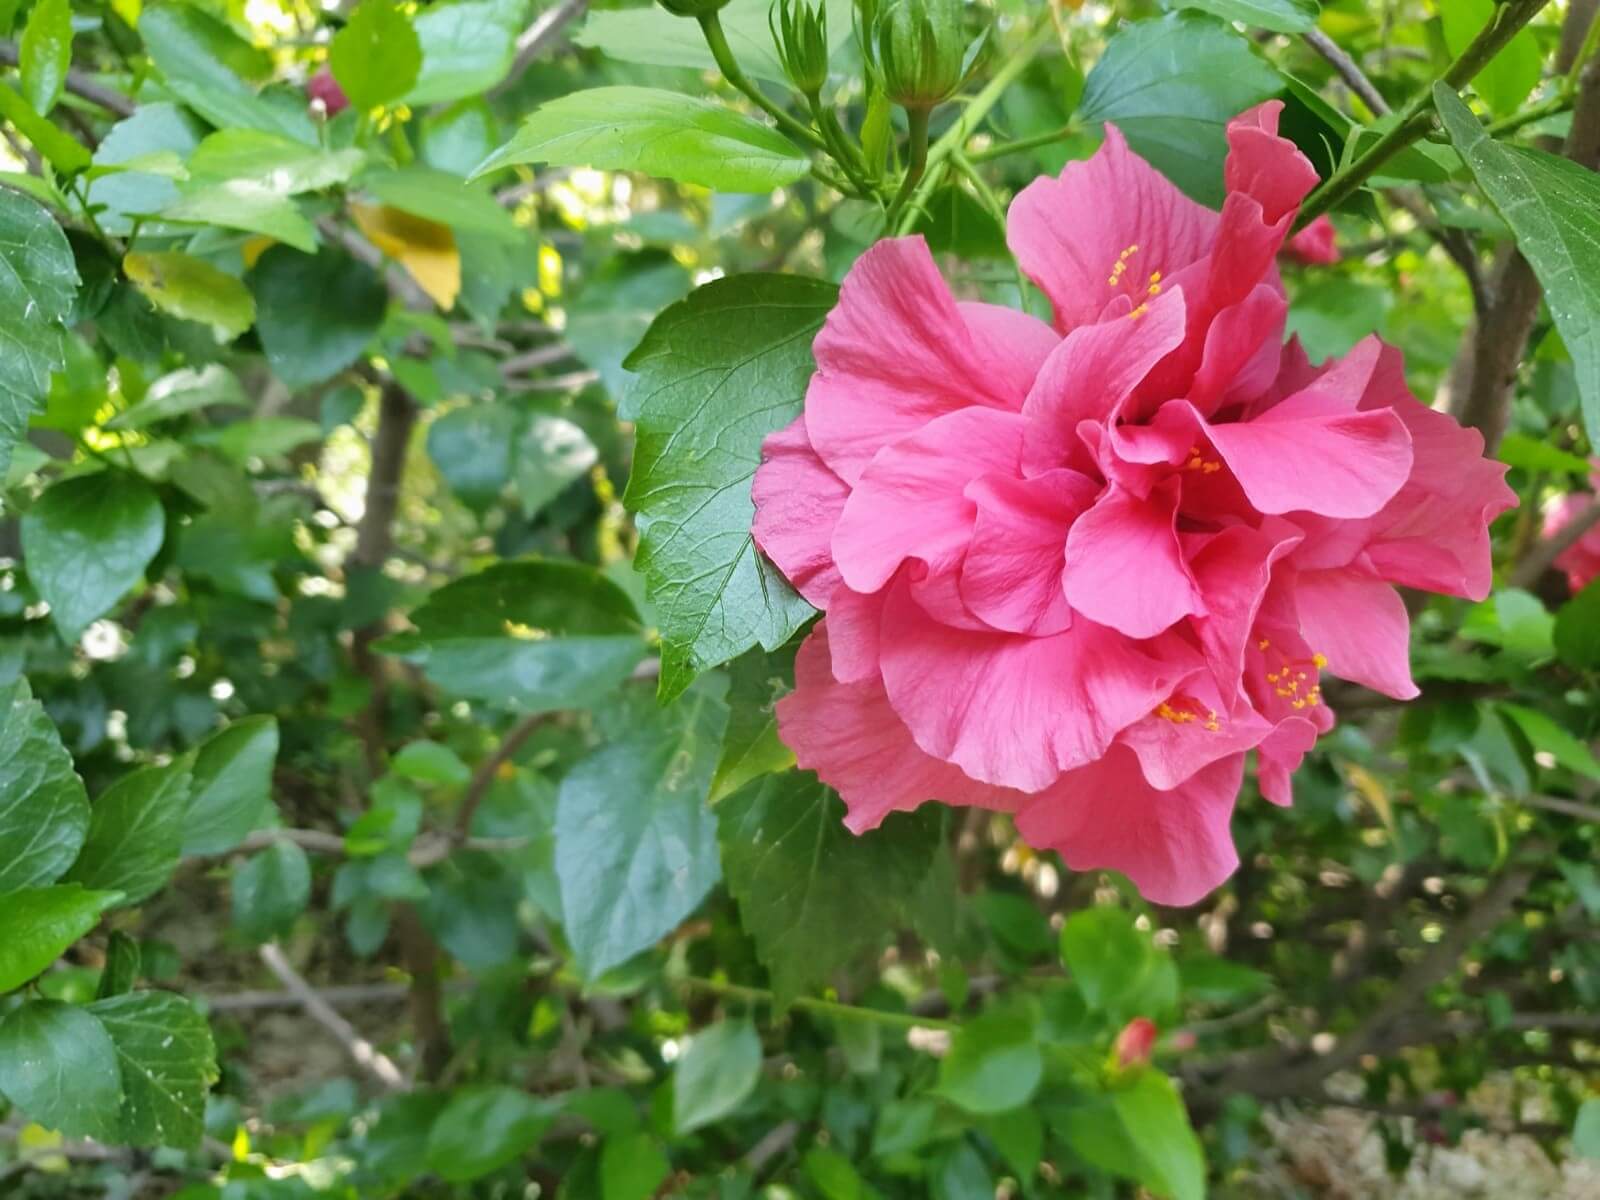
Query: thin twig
{"x": 538, "y": 37}
{"x": 362, "y": 1052}
{"x": 539, "y": 356}
{"x": 1571, "y": 808}
{"x": 1544, "y": 554}
{"x": 483, "y": 778}
{"x": 1348, "y": 70}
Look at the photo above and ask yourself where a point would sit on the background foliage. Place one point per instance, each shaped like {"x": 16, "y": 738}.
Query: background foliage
{"x": 390, "y": 799}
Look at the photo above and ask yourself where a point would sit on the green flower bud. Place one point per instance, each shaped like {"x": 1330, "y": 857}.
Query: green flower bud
{"x": 922, "y": 54}
{"x": 801, "y": 33}
{"x": 692, "y": 8}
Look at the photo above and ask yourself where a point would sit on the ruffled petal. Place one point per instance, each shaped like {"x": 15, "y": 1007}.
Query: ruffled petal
{"x": 1175, "y": 845}
{"x": 1360, "y": 626}
{"x": 855, "y": 623}
{"x": 1012, "y": 574}
{"x": 1193, "y": 729}
{"x": 1124, "y": 567}
{"x": 1279, "y": 756}
{"x": 798, "y": 502}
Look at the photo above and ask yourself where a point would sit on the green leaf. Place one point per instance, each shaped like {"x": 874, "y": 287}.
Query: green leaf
{"x": 57, "y": 1064}
{"x": 45, "y": 53}
{"x": 429, "y": 762}
{"x": 1577, "y": 633}
{"x": 271, "y": 890}
{"x": 1550, "y": 203}
{"x": 87, "y": 541}
{"x": 472, "y": 447}
{"x": 994, "y": 1064}
{"x": 666, "y": 134}
{"x": 551, "y": 453}
{"x": 377, "y": 56}
{"x": 717, "y": 373}
{"x": 1158, "y": 1126}
{"x": 717, "y": 1072}
{"x": 38, "y": 284}
{"x": 1547, "y": 737}
{"x": 1586, "y": 1130}
{"x": 136, "y": 832}
{"x": 442, "y": 197}
{"x": 752, "y": 747}
{"x": 153, "y": 131}
{"x": 482, "y": 1129}
{"x": 632, "y": 1167}
{"x": 467, "y": 48}
{"x": 636, "y": 844}
{"x": 315, "y": 313}
{"x": 63, "y": 152}
{"x": 1512, "y": 73}
{"x": 1530, "y": 454}
{"x": 656, "y": 37}
{"x": 231, "y": 790}
{"x": 812, "y": 895}
{"x": 121, "y": 972}
{"x": 248, "y": 206}
{"x": 1280, "y": 16}
{"x": 537, "y": 635}
{"x": 192, "y": 289}
{"x": 37, "y": 924}
{"x": 168, "y": 1063}
{"x": 275, "y": 162}
{"x": 1106, "y": 955}
{"x": 1207, "y": 979}
{"x": 44, "y": 811}
{"x": 184, "y": 391}
{"x": 1172, "y": 86}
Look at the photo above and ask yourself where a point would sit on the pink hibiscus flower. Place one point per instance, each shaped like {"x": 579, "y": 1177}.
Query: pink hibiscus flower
{"x": 1581, "y": 560}
{"x": 1315, "y": 245}
{"x": 1077, "y": 571}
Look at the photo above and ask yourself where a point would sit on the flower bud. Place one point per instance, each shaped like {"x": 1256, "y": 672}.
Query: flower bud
{"x": 1134, "y": 1043}
{"x": 921, "y": 52}
{"x": 801, "y": 33}
{"x": 692, "y": 8}
{"x": 324, "y": 87}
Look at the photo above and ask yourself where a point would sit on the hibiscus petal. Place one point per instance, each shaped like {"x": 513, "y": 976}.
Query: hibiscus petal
{"x": 1360, "y": 626}
{"x": 850, "y": 736}
{"x": 798, "y": 502}
{"x": 897, "y": 351}
{"x": 1193, "y": 729}
{"x": 1174, "y": 845}
{"x": 1070, "y": 234}
{"x": 1232, "y": 570}
{"x": 1269, "y": 169}
{"x": 910, "y": 502}
{"x": 1015, "y": 710}
{"x": 1279, "y": 756}
{"x": 1124, "y": 566}
{"x": 854, "y": 624}
{"x": 1012, "y": 574}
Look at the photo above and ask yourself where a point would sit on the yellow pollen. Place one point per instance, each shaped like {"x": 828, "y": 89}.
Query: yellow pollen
{"x": 1155, "y": 289}
{"x": 1155, "y": 276}
{"x": 1263, "y": 644}
{"x": 1138, "y": 312}
{"x": 1319, "y": 661}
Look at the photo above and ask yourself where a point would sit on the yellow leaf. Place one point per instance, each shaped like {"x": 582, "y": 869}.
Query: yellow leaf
{"x": 426, "y": 249}
{"x": 1370, "y": 788}
{"x": 254, "y": 247}
{"x": 35, "y": 1142}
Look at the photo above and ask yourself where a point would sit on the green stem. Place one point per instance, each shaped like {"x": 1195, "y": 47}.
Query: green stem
{"x": 839, "y": 145}
{"x": 831, "y": 1008}
{"x": 1415, "y": 119}
{"x": 1560, "y": 102}
{"x": 1001, "y": 149}
{"x": 711, "y": 26}
{"x": 917, "y": 123}
{"x": 980, "y": 185}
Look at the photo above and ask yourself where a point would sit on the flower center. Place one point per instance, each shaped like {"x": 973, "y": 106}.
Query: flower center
{"x": 1122, "y": 275}
{"x": 1292, "y": 678}
{"x": 1186, "y": 710}
{"x": 1198, "y": 462}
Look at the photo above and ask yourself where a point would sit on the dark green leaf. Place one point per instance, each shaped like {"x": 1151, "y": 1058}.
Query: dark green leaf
{"x": 472, "y": 447}
{"x": 45, "y": 53}
{"x": 38, "y": 282}
{"x": 1171, "y": 86}
{"x": 551, "y": 453}
{"x": 231, "y": 789}
{"x": 315, "y": 313}
{"x": 659, "y": 133}
{"x": 484, "y": 1128}
{"x": 376, "y": 57}
{"x": 718, "y": 372}
{"x": 37, "y": 924}
{"x": 1547, "y": 736}
{"x": 615, "y": 309}
{"x": 636, "y": 845}
{"x": 121, "y": 971}
{"x": 168, "y": 1064}
{"x": 44, "y": 811}
{"x": 180, "y": 393}
{"x": 715, "y": 1075}
{"x": 1280, "y": 16}
{"x": 57, "y": 1064}
{"x": 752, "y": 747}
{"x": 87, "y": 541}
{"x": 993, "y": 1065}
{"x": 1577, "y": 633}
{"x": 271, "y": 890}
{"x": 1550, "y": 203}
{"x": 136, "y": 832}
{"x": 467, "y": 48}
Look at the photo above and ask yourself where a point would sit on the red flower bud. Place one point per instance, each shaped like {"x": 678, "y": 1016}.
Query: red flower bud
{"x": 324, "y": 87}
{"x": 1134, "y": 1043}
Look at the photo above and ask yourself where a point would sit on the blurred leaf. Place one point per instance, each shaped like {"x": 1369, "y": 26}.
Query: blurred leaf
{"x": 37, "y": 924}
{"x": 656, "y": 37}
{"x": 377, "y": 56}
{"x": 1586, "y": 1130}
{"x": 270, "y": 890}
{"x": 632, "y": 1167}
{"x": 715, "y": 1075}
{"x": 277, "y": 163}
{"x": 192, "y": 289}
{"x": 993, "y": 1064}
{"x": 315, "y": 313}
{"x": 45, "y": 53}
{"x": 426, "y": 249}
{"x": 57, "y": 1065}
{"x": 657, "y": 132}
{"x": 429, "y": 762}
{"x": 44, "y": 811}
{"x": 1280, "y": 16}
{"x": 1549, "y": 202}
{"x": 231, "y": 791}
{"x": 717, "y": 373}
{"x": 153, "y": 130}
{"x": 87, "y": 541}
{"x": 1529, "y": 454}
{"x": 482, "y": 1129}
{"x": 1158, "y": 1126}
{"x": 1106, "y": 955}
{"x": 136, "y": 832}
{"x": 185, "y": 391}
{"x": 615, "y": 309}
{"x": 168, "y": 1064}
{"x": 63, "y": 152}
{"x": 38, "y": 283}
{"x": 1512, "y": 73}
{"x": 550, "y": 453}
{"x": 636, "y": 844}
{"x": 443, "y": 198}
{"x": 1208, "y": 979}
{"x": 467, "y": 48}
{"x": 121, "y": 971}
{"x": 1547, "y": 737}
{"x": 215, "y": 72}
{"x": 473, "y": 447}
{"x": 1577, "y": 632}
{"x": 954, "y": 222}
{"x": 247, "y": 205}
{"x": 834, "y": 1175}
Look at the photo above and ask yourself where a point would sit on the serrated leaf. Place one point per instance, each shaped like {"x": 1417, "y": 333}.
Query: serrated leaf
{"x": 377, "y": 55}
{"x": 718, "y": 371}
{"x": 38, "y": 284}
{"x": 1171, "y": 86}
{"x": 37, "y": 924}
{"x": 1550, "y": 203}
{"x": 168, "y": 1063}
{"x": 813, "y": 895}
{"x": 136, "y": 832}
{"x": 718, "y": 1070}
{"x": 87, "y": 541}
{"x": 57, "y": 1065}
{"x": 192, "y": 289}
{"x": 666, "y": 134}
{"x": 44, "y": 810}
{"x": 636, "y": 844}
{"x": 231, "y": 788}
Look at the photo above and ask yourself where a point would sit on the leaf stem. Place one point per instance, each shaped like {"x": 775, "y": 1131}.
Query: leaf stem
{"x": 1415, "y": 118}
{"x": 1001, "y": 149}
{"x": 831, "y": 1008}
{"x": 711, "y": 26}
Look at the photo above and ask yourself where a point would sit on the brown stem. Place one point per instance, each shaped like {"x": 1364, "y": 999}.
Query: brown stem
{"x": 483, "y": 778}
{"x": 1544, "y": 554}
{"x": 1347, "y": 70}
{"x": 362, "y": 1052}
